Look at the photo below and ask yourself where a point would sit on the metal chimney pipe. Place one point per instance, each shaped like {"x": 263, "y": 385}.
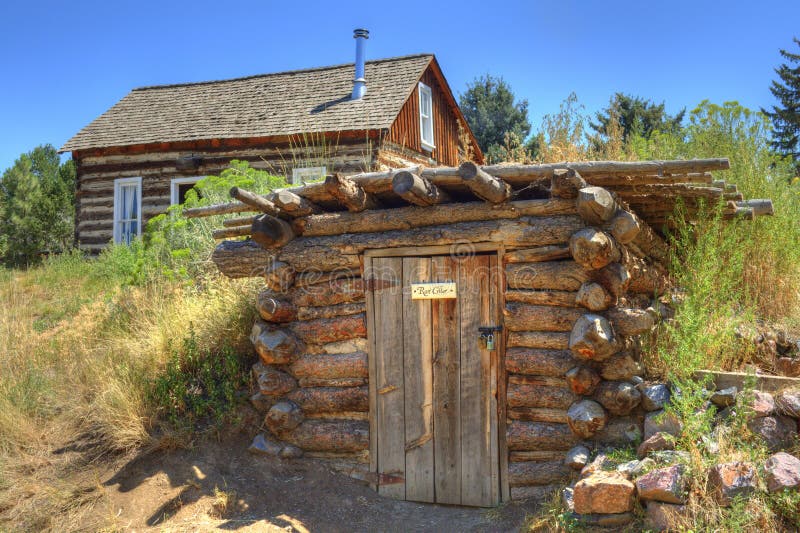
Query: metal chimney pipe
{"x": 359, "y": 82}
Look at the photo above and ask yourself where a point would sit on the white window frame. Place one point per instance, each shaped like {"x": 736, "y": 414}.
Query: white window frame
{"x": 426, "y": 94}
{"x": 118, "y": 184}
{"x": 174, "y": 189}
{"x": 300, "y": 174}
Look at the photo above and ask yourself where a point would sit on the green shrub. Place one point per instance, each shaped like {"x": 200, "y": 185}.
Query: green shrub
{"x": 198, "y": 387}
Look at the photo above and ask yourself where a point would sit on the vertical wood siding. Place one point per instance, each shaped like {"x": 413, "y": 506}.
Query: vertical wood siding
{"x": 405, "y": 131}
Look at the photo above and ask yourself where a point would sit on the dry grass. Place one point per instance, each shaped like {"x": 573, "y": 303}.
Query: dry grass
{"x": 79, "y": 357}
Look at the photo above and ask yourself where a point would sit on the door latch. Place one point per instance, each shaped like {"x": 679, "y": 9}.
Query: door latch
{"x": 487, "y": 335}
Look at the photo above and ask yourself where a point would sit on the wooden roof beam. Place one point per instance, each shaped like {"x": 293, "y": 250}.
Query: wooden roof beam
{"x": 350, "y": 194}
{"x": 416, "y": 190}
{"x": 256, "y": 201}
{"x": 293, "y": 204}
{"x": 484, "y": 185}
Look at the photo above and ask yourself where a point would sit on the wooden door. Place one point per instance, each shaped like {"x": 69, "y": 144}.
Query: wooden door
{"x": 433, "y": 383}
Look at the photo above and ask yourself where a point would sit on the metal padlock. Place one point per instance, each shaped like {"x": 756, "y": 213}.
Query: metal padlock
{"x": 490, "y": 342}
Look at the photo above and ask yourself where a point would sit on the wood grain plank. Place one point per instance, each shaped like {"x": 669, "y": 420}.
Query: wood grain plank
{"x": 490, "y": 312}
{"x": 372, "y": 369}
{"x": 389, "y": 374}
{"x": 474, "y": 428}
{"x": 446, "y": 388}
{"x": 418, "y": 368}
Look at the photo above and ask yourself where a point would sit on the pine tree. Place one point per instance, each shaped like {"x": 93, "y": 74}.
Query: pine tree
{"x": 786, "y": 116}
{"x": 492, "y": 111}
{"x": 636, "y": 116}
{"x": 37, "y": 201}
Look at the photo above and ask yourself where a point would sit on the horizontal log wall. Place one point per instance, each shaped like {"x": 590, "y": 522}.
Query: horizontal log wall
{"x": 97, "y": 172}
{"x": 566, "y": 339}
{"x": 312, "y": 338}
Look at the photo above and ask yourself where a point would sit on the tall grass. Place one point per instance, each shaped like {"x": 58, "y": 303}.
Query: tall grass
{"x": 730, "y": 272}
{"x": 137, "y": 349}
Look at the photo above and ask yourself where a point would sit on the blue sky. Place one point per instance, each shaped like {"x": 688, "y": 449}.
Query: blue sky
{"x": 63, "y": 63}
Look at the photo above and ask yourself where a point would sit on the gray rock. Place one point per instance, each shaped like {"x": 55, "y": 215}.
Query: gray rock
{"x": 724, "y": 414}
{"x": 729, "y": 480}
{"x": 724, "y": 397}
{"x": 787, "y": 402}
{"x": 577, "y": 457}
{"x": 628, "y": 468}
{"x": 263, "y": 445}
{"x": 711, "y": 445}
{"x": 664, "y": 516}
{"x": 567, "y": 499}
{"x": 645, "y": 465}
{"x": 778, "y": 432}
{"x": 655, "y": 397}
{"x": 782, "y": 471}
{"x": 666, "y": 485}
{"x": 291, "y": 452}
{"x": 661, "y": 421}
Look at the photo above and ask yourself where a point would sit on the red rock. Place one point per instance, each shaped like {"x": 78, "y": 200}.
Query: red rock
{"x": 666, "y": 485}
{"x": 787, "y": 402}
{"x": 603, "y": 493}
{"x": 788, "y": 366}
{"x": 665, "y": 517}
{"x": 779, "y": 432}
{"x": 761, "y": 404}
{"x": 782, "y": 471}
{"x": 729, "y": 480}
{"x": 656, "y": 443}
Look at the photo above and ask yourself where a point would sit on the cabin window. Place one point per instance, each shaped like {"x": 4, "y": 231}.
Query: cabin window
{"x": 127, "y": 209}
{"x": 179, "y": 187}
{"x": 308, "y": 174}
{"x": 426, "y": 116}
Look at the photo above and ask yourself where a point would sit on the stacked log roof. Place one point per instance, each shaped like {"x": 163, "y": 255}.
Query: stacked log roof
{"x": 392, "y": 200}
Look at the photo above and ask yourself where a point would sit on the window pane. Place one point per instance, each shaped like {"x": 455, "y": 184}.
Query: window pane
{"x": 126, "y": 210}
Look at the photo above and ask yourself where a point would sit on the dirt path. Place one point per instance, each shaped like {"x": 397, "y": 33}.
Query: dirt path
{"x": 175, "y": 491}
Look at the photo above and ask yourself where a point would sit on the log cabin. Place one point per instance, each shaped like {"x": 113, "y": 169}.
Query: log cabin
{"x": 143, "y": 154}
{"x": 448, "y": 334}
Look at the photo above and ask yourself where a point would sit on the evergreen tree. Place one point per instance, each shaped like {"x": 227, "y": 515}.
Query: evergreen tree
{"x": 492, "y": 111}
{"x": 635, "y": 116}
{"x": 37, "y": 205}
{"x": 785, "y": 116}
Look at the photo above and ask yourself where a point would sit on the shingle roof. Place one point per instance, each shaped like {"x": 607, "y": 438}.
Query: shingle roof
{"x": 284, "y": 103}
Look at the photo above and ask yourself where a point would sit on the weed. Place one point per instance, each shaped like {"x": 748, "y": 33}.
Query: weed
{"x": 223, "y": 504}
{"x": 198, "y": 387}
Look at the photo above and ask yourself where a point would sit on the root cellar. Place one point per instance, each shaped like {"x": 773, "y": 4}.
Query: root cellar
{"x": 448, "y": 334}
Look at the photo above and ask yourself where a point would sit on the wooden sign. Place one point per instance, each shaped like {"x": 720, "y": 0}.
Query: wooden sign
{"x": 433, "y": 291}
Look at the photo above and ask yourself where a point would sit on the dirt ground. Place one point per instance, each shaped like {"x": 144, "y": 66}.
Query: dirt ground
{"x": 178, "y": 491}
